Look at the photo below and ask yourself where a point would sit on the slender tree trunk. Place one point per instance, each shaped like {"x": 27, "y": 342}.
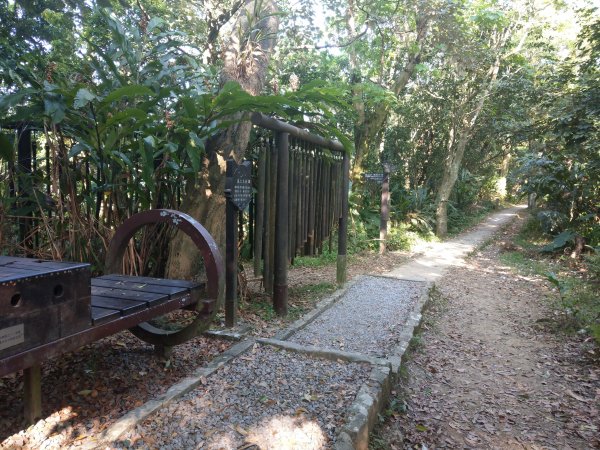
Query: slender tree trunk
{"x": 369, "y": 124}
{"x": 456, "y": 151}
{"x": 246, "y": 61}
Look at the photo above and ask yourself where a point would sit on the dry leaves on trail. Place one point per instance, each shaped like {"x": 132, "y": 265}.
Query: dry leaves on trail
{"x": 85, "y": 391}
{"x": 486, "y": 374}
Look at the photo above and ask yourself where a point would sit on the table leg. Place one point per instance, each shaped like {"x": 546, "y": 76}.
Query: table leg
{"x": 33, "y": 393}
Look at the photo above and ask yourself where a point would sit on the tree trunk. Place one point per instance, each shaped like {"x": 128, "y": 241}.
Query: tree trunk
{"x": 246, "y": 59}
{"x": 456, "y": 152}
{"x": 369, "y": 124}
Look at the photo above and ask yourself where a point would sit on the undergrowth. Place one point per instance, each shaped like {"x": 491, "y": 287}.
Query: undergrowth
{"x": 576, "y": 281}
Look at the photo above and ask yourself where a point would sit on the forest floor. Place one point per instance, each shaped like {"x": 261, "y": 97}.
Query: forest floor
{"x": 491, "y": 367}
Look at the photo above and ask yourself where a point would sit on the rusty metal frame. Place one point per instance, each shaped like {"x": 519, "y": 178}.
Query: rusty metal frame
{"x": 213, "y": 264}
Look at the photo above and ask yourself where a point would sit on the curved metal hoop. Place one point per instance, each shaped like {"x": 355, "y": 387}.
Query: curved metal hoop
{"x": 213, "y": 265}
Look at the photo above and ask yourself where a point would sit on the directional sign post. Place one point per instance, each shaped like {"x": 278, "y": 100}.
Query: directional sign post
{"x": 384, "y": 179}
{"x": 238, "y": 191}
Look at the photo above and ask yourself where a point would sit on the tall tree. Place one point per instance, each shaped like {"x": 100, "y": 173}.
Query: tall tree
{"x": 246, "y": 57}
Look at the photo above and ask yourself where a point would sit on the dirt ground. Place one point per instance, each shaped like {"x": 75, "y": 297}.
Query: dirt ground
{"x": 490, "y": 370}
{"x": 85, "y": 391}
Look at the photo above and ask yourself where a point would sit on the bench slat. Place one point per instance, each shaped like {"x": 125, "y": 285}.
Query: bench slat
{"x": 124, "y": 306}
{"x": 138, "y": 286}
{"x": 155, "y": 281}
{"x": 103, "y": 315}
{"x": 148, "y": 298}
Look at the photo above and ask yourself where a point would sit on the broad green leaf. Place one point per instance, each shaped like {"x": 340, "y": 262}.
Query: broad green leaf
{"x": 78, "y": 148}
{"x": 155, "y": 22}
{"x": 82, "y": 98}
{"x": 54, "y": 108}
{"x": 10, "y": 100}
{"x": 133, "y": 90}
{"x": 7, "y": 151}
{"x": 126, "y": 114}
{"x": 122, "y": 157}
{"x": 195, "y": 150}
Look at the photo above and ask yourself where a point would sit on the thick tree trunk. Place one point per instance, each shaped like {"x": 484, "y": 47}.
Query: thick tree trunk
{"x": 246, "y": 60}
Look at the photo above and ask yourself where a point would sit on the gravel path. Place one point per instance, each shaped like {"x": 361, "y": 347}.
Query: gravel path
{"x": 368, "y": 319}
{"x": 267, "y": 397}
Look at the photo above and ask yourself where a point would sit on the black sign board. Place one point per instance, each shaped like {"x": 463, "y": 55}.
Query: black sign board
{"x": 238, "y": 186}
{"x": 376, "y": 177}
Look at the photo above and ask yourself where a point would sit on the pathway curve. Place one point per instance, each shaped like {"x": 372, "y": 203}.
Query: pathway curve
{"x": 487, "y": 372}
{"x": 319, "y": 383}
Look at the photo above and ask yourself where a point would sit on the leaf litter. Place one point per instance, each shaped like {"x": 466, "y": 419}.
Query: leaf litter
{"x": 484, "y": 373}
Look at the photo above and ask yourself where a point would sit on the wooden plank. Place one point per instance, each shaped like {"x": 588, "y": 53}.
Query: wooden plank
{"x": 137, "y": 286}
{"x": 45, "y": 265}
{"x": 148, "y": 298}
{"x": 103, "y": 315}
{"x": 155, "y": 281}
{"x": 124, "y": 306}
{"x": 9, "y": 274}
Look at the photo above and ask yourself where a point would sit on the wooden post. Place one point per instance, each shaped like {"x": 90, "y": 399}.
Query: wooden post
{"x": 280, "y": 287}
{"x": 270, "y": 223}
{"x": 24, "y": 184}
{"x": 231, "y": 259}
{"x": 260, "y": 212}
{"x": 385, "y": 210}
{"x": 343, "y": 224}
{"x": 32, "y": 390}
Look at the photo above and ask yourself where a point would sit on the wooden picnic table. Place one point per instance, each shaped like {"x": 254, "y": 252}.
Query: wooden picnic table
{"x": 52, "y": 307}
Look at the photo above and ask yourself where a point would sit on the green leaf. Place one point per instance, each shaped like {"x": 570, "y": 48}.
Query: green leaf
{"x": 10, "y": 100}
{"x": 122, "y": 158}
{"x": 78, "y": 148}
{"x": 195, "y": 150}
{"x": 82, "y": 98}
{"x": 155, "y": 22}
{"x": 126, "y": 114}
{"x": 559, "y": 241}
{"x": 146, "y": 150}
{"x": 54, "y": 107}
{"x": 133, "y": 90}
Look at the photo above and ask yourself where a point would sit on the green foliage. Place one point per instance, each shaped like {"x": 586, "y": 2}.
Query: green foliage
{"x": 562, "y": 170}
{"x": 559, "y": 241}
{"x": 578, "y": 299}
{"x": 127, "y": 123}
{"x": 401, "y": 238}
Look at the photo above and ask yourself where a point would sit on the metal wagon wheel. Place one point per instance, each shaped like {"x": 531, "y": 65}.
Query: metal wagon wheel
{"x": 205, "y": 306}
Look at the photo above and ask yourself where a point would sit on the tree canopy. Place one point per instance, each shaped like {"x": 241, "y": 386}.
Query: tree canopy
{"x": 470, "y": 101}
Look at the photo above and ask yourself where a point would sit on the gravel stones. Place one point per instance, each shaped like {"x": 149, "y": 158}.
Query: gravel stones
{"x": 267, "y": 397}
{"x": 368, "y": 319}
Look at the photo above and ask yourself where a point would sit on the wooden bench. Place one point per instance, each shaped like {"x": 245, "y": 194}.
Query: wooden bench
{"x": 52, "y": 307}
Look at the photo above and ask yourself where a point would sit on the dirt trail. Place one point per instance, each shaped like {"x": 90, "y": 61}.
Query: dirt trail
{"x": 486, "y": 371}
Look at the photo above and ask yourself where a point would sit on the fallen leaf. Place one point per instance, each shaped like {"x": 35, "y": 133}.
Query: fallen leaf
{"x": 241, "y": 430}
{"x": 577, "y": 397}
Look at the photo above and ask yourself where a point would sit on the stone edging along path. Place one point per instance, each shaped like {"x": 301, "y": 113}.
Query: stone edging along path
{"x": 413, "y": 280}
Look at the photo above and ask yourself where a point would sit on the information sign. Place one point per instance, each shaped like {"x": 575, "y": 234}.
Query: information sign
{"x": 375, "y": 177}
{"x": 238, "y": 187}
